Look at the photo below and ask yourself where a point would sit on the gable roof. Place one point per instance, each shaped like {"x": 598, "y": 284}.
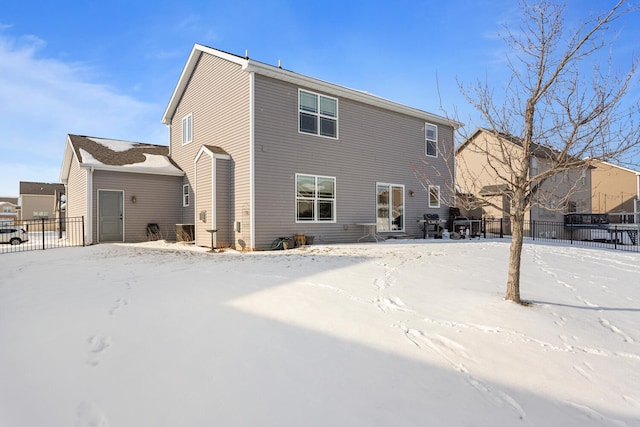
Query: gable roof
{"x": 537, "y": 150}
{"x": 40, "y": 188}
{"x": 117, "y": 155}
{"x": 12, "y": 200}
{"x": 623, "y": 168}
{"x": 252, "y": 66}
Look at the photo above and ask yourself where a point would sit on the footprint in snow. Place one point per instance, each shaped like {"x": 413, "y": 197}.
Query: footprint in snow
{"x": 97, "y": 345}
{"x": 89, "y": 415}
{"x": 120, "y": 302}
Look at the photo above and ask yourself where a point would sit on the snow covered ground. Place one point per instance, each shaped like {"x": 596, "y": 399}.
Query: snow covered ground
{"x": 412, "y": 333}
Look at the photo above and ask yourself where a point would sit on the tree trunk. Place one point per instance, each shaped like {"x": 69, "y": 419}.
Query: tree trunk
{"x": 515, "y": 256}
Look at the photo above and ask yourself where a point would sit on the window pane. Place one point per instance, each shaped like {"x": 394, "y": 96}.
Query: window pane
{"x": 434, "y": 196}
{"x": 326, "y": 188}
{"x": 383, "y": 208}
{"x": 328, "y": 107}
{"x": 397, "y": 208}
{"x": 305, "y": 210}
{"x": 306, "y": 186}
{"x": 308, "y": 123}
{"x": 325, "y": 210}
{"x": 327, "y": 127}
{"x": 308, "y": 102}
{"x": 431, "y": 132}
{"x": 431, "y": 149}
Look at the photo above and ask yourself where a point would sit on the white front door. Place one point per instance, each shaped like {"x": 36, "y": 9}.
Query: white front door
{"x": 110, "y": 216}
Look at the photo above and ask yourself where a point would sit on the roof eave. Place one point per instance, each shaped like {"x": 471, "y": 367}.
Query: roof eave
{"x": 344, "y": 92}
{"x": 128, "y": 169}
{"x": 187, "y": 71}
{"x": 295, "y": 78}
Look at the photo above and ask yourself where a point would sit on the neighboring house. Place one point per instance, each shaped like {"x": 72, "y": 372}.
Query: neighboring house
{"x": 268, "y": 152}
{"x": 564, "y": 192}
{"x": 615, "y": 189}
{"x": 40, "y": 200}
{"x": 120, "y": 187}
{"x": 9, "y": 210}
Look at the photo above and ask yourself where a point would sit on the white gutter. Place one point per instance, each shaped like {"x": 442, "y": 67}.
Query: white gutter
{"x": 125, "y": 168}
{"x": 345, "y": 92}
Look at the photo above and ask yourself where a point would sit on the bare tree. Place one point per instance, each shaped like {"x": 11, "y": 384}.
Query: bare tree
{"x": 562, "y": 104}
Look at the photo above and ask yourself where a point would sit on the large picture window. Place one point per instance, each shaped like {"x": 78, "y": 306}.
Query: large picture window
{"x": 431, "y": 140}
{"x": 315, "y": 198}
{"x": 318, "y": 114}
{"x": 390, "y": 207}
{"x": 187, "y": 129}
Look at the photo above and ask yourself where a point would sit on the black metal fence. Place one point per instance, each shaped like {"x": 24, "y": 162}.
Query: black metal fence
{"x": 611, "y": 236}
{"x": 41, "y": 234}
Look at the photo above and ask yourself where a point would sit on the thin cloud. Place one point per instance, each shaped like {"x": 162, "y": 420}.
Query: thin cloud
{"x": 43, "y": 99}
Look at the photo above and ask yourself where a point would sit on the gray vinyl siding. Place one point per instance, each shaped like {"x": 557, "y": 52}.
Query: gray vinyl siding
{"x": 224, "y": 222}
{"x": 203, "y": 201}
{"x": 76, "y": 194}
{"x": 218, "y": 97}
{"x": 158, "y": 200}
{"x": 374, "y": 145}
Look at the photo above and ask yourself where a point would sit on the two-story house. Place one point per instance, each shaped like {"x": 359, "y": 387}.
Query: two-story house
{"x": 483, "y": 169}
{"x": 615, "y": 189}
{"x": 268, "y": 152}
{"x": 9, "y": 210}
{"x": 40, "y": 199}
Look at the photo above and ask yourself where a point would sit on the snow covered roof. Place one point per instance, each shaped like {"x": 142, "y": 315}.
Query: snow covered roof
{"x": 117, "y": 155}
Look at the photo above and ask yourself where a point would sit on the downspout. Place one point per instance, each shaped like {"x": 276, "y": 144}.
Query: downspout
{"x": 252, "y": 216}
{"x": 89, "y": 237}
{"x": 169, "y": 128}
{"x": 214, "y": 205}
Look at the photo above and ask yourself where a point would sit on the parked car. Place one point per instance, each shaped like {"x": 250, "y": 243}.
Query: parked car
{"x": 13, "y": 235}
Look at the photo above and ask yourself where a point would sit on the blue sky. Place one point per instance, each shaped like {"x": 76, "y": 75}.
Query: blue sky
{"x": 108, "y": 68}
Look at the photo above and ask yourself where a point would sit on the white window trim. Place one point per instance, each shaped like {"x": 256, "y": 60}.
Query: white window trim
{"x": 429, "y": 196}
{"x": 189, "y": 137}
{"x": 427, "y": 140}
{"x": 318, "y": 115}
{"x": 315, "y": 199}
{"x": 185, "y": 197}
{"x": 404, "y": 221}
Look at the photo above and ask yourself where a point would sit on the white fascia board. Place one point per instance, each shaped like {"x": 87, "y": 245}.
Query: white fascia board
{"x": 69, "y": 154}
{"x": 128, "y": 169}
{"x": 211, "y": 154}
{"x": 620, "y": 167}
{"x": 187, "y": 71}
{"x": 297, "y": 79}
{"x": 344, "y": 92}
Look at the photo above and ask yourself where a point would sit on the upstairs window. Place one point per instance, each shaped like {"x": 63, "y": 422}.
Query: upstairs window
{"x": 318, "y": 114}
{"x": 315, "y": 198}
{"x": 187, "y": 129}
{"x": 185, "y": 195}
{"x": 431, "y": 140}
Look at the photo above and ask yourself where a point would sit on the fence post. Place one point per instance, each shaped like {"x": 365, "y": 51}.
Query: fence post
{"x": 484, "y": 227}
{"x": 83, "y": 242}
{"x": 615, "y": 237}
{"x": 42, "y": 223}
{"x": 501, "y": 229}
{"x": 571, "y": 233}
{"x": 533, "y": 229}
